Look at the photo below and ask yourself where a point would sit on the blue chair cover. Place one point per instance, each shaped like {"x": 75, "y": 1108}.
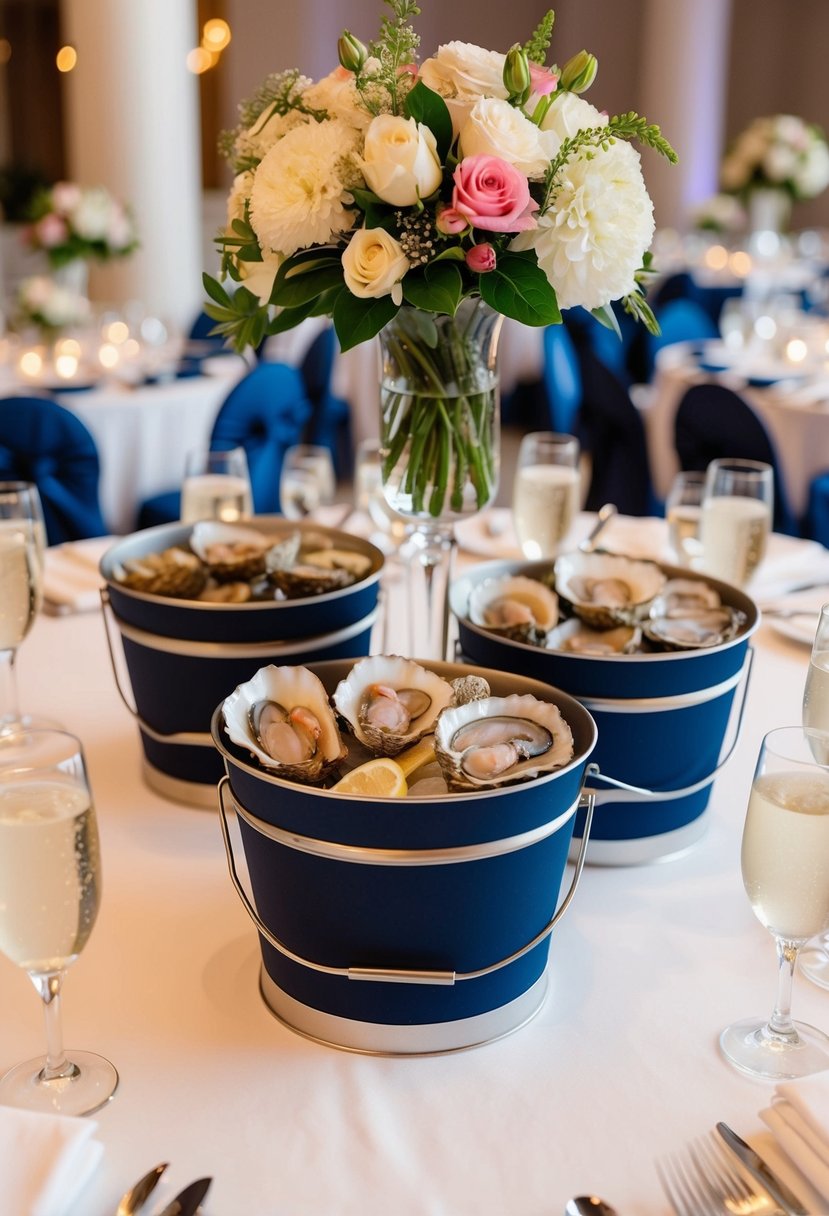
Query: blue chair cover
{"x": 562, "y": 379}
{"x": 265, "y": 413}
{"x": 712, "y": 422}
{"x": 816, "y": 523}
{"x": 611, "y": 430}
{"x": 42, "y": 442}
{"x": 679, "y": 321}
{"x": 620, "y": 356}
{"x": 330, "y": 422}
{"x": 681, "y": 286}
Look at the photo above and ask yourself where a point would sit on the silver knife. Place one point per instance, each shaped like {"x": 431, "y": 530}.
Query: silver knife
{"x": 755, "y": 1164}
{"x": 186, "y": 1203}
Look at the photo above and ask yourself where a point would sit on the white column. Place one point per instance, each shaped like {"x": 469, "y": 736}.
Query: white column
{"x": 133, "y": 126}
{"x": 684, "y": 79}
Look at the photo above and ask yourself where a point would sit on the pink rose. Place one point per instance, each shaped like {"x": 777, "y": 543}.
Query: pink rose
{"x": 493, "y": 194}
{"x": 449, "y": 221}
{"x": 51, "y": 231}
{"x": 542, "y": 80}
{"x": 481, "y": 258}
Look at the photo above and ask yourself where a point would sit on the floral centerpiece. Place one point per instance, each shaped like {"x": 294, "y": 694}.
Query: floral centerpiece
{"x": 71, "y": 223}
{"x": 50, "y": 306}
{"x": 410, "y": 200}
{"x": 721, "y": 213}
{"x": 781, "y": 152}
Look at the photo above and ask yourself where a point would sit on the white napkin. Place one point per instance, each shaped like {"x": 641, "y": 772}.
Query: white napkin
{"x": 799, "y": 1120}
{"x": 787, "y": 564}
{"x": 45, "y": 1161}
{"x": 71, "y": 580}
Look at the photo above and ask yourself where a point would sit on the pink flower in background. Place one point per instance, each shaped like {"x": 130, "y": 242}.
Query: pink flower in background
{"x": 65, "y": 197}
{"x": 449, "y": 221}
{"x": 542, "y": 80}
{"x": 481, "y": 258}
{"x": 493, "y": 194}
{"x": 51, "y": 231}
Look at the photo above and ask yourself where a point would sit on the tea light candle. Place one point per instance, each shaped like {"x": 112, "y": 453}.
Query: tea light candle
{"x": 30, "y": 364}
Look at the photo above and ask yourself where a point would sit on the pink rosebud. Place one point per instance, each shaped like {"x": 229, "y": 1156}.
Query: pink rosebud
{"x": 409, "y": 69}
{"x": 449, "y": 221}
{"x": 493, "y": 194}
{"x": 51, "y": 231}
{"x": 481, "y": 258}
{"x": 542, "y": 80}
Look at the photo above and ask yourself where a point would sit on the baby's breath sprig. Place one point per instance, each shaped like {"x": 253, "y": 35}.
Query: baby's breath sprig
{"x": 279, "y": 93}
{"x": 383, "y": 87}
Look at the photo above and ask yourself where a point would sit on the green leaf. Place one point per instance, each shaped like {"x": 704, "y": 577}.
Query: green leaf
{"x": 428, "y": 107}
{"x": 520, "y": 289}
{"x": 215, "y": 290}
{"x": 287, "y": 318}
{"x": 366, "y": 198}
{"x": 453, "y": 253}
{"x": 217, "y": 313}
{"x": 436, "y": 288}
{"x": 323, "y": 306}
{"x": 357, "y": 320}
{"x": 306, "y": 285}
{"x": 607, "y": 317}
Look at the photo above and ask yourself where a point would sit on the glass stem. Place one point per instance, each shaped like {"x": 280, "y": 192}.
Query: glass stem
{"x": 435, "y": 548}
{"x": 48, "y": 984}
{"x": 780, "y": 1023}
{"x": 9, "y": 705}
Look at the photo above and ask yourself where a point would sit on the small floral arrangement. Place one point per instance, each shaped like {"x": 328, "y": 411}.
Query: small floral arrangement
{"x": 387, "y": 183}
{"x": 70, "y": 222}
{"x": 722, "y": 213}
{"x": 781, "y": 152}
{"x": 49, "y": 305}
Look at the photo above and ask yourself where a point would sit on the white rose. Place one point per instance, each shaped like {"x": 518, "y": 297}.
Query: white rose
{"x": 779, "y": 162}
{"x": 373, "y": 263}
{"x": 812, "y": 175}
{"x": 495, "y": 128}
{"x": 461, "y": 73}
{"x": 591, "y": 243}
{"x": 570, "y": 113}
{"x": 90, "y": 218}
{"x": 400, "y": 160}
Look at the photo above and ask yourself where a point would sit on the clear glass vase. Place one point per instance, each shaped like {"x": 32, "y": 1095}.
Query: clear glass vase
{"x": 440, "y": 437}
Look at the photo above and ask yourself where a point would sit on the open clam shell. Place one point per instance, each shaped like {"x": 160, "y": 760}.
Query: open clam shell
{"x": 390, "y": 702}
{"x": 606, "y": 589}
{"x": 501, "y": 740}
{"x": 293, "y": 697}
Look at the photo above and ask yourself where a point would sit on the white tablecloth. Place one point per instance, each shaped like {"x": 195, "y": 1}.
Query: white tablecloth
{"x": 620, "y": 1065}
{"x": 799, "y": 430}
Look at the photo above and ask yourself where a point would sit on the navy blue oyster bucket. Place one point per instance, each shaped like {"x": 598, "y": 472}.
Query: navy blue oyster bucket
{"x": 662, "y": 720}
{"x": 183, "y": 656}
{"x": 406, "y": 926}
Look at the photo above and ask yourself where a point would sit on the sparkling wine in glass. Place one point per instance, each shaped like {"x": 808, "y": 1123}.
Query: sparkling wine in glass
{"x": 307, "y": 480}
{"x": 216, "y": 486}
{"x": 50, "y": 889}
{"x": 546, "y": 492}
{"x": 814, "y": 960}
{"x": 785, "y": 866}
{"x": 736, "y": 518}
{"x": 683, "y": 511}
{"x": 22, "y": 546}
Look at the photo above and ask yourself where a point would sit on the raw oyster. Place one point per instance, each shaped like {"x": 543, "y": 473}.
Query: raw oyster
{"x": 681, "y": 595}
{"x": 522, "y": 609}
{"x": 390, "y": 702}
{"x": 283, "y": 717}
{"x": 607, "y": 589}
{"x": 173, "y": 572}
{"x": 693, "y": 630}
{"x": 297, "y": 576}
{"x": 501, "y": 740}
{"x": 575, "y": 637}
{"x": 231, "y": 553}
{"x": 226, "y": 593}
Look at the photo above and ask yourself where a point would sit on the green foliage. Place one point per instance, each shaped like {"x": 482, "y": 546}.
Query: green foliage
{"x": 357, "y": 320}
{"x": 428, "y": 107}
{"x": 538, "y": 45}
{"x": 520, "y": 289}
{"x": 436, "y": 287}
{"x": 383, "y": 88}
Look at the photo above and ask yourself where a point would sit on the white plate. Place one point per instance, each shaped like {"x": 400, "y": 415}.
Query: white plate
{"x": 800, "y": 628}
{"x": 489, "y": 534}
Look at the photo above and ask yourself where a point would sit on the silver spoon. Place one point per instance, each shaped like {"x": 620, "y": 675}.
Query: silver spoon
{"x": 603, "y": 518}
{"x": 137, "y": 1195}
{"x": 588, "y": 1205}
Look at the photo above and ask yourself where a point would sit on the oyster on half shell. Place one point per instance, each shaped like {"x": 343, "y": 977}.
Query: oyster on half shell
{"x": 692, "y": 630}
{"x": 521, "y": 608}
{"x": 283, "y": 717}
{"x": 501, "y": 740}
{"x": 390, "y": 702}
{"x": 575, "y": 637}
{"x": 607, "y": 589}
{"x": 231, "y": 552}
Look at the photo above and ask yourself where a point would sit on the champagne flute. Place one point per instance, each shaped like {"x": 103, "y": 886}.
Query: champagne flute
{"x": 785, "y": 866}
{"x": 736, "y": 518}
{"x": 216, "y": 486}
{"x": 814, "y": 960}
{"x": 683, "y": 508}
{"x": 546, "y": 491}
{"x": 391, "y": 531}
{"x": 307, "y": 481}
{"x": 22, "y": 545}
{"x": 49, "y": 895}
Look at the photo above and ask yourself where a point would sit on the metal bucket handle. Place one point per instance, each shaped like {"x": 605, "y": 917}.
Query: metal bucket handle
{"x": 633, "y": 793}
{"x": 191, "y": 738}
{"x": 390, "y": 974}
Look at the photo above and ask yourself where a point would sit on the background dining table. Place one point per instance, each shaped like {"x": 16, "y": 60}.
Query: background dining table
{"x": 620, "y": 1065}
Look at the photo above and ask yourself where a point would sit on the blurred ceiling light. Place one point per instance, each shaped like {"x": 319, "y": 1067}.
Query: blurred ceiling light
{"x": 66, "y": 58}
{"x": 5, "y": 50}
{"x": 716, "y": 256}
{"x": 31, "y": 363}
{"x": 66, "y": 366}
{"x": 796, "y": 350}
{"x": 117, "y": 332}
{"x": 199, "y": 60}
{"x": 215, "y": 34}
{"x": 108, "y": 355}
{"x": 740, "y": 263}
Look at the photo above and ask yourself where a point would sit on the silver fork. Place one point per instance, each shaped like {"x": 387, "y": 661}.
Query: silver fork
{"x": 701, "y": 1181}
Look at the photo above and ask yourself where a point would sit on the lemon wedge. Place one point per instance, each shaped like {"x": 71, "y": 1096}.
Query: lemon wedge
{"x": 379, "y": 778}
{"x": 418, "y": 755}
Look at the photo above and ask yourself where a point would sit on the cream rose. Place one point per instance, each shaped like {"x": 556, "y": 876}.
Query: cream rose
{"x": 373, "y": 264}
{"x": 591, "y": 242}
{"x": 462, "y": 72}
{"x": 400, "y": 160}
{"x": 495, "y": 128}
{"x": 569, "y": 114}
{"x": 258, "y": 277}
